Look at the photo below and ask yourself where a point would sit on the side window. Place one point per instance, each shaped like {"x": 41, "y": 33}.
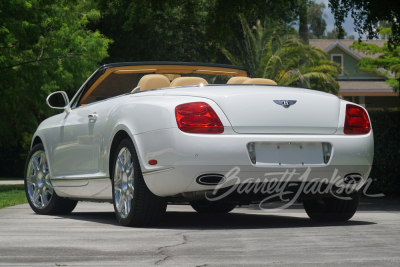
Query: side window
{"x": 112, "y": 85}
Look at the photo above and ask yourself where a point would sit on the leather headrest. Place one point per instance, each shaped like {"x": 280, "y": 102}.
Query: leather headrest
{"x": 183, "y": 81}
{"x": 237, "y": 80}
{"x": 153, "y": 81}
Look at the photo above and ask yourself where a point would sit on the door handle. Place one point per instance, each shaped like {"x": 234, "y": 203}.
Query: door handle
{"x": 93, "y": 117}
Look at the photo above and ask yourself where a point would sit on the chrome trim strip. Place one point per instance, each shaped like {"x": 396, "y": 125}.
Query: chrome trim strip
{"x": 77, "y": 179}
{"x": 157, "y": 171}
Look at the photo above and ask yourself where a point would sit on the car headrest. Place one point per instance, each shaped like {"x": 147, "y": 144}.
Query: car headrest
{"x": 237, "y": 80}
{"x": 260, "y": 81}
{"x": 183, "y": 81}
{"x": 153, "y": 81}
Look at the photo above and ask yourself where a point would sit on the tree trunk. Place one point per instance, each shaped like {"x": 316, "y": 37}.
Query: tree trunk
{"x": 303, "y": 26}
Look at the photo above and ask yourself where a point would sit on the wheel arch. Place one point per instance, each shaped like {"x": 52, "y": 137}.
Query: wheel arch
{"x": 36, "y": 140}
{"x": 119, "y": 135}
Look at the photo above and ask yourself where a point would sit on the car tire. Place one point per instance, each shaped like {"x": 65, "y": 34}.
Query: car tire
{"x": 38, "y": 188}
{"x": 332, "y": 209}
{"x": 134, "y": 203}
{"x": 205, "y": 206}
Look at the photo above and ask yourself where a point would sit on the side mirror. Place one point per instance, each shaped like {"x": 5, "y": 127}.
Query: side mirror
{"x": 59, "y": 100}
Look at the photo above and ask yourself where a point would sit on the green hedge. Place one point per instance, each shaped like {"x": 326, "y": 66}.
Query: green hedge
{"x": 386, "y": 166}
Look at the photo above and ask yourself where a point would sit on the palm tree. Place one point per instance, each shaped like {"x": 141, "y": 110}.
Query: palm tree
{"x": 266, "y": 52}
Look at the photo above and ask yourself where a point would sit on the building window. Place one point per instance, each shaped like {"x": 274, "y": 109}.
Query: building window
{"x": 338, "y": 58}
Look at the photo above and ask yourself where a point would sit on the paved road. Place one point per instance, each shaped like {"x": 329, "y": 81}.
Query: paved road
{"x": 11, "y": 182}
{"x": 247, "y": 236}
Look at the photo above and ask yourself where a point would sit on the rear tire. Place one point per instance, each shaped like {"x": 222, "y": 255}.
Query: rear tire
{"x": 205, "y": 206}
{"x": 38, "y": 188}
{"x": 332, "y": 209}
{"x": 134, "y": 203}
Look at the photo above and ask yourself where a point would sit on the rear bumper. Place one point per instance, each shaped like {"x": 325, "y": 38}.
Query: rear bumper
{"x": 182, "y": 157}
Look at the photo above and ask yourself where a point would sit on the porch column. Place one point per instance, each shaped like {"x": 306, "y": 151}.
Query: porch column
{"x": 362, "y": 101}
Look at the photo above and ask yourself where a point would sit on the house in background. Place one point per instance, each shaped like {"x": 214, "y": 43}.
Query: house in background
{"x": 366, "y": 89}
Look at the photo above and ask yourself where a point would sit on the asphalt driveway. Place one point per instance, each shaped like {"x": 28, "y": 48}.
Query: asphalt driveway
{"x": 248, "y": 236}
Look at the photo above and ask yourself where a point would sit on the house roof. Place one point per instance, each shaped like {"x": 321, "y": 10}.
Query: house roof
{"x": 328, "y": 44}
{"x": 379, "y": 88}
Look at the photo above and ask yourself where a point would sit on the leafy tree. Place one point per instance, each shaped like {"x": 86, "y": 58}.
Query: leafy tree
{"x": 316, "y": 19}
{"x": 267, "y": 53}
{"x": 156, "y": 31}
{"x": 335, "y": 34}
{"x": 181, "y": 30}
{"x": 389, "y": 59}
{"x": 366, "y": 15}
{"x": 44, "y": 47}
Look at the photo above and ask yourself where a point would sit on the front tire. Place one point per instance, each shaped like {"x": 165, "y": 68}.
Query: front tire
{"x": 332, "y": 209}
{"x": 38, "y": 188}
{"x": 134, "y": 203}
{"x": 205, "y": 206}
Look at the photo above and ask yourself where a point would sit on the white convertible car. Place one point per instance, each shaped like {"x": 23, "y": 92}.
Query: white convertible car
{"x": 142, "y": 135}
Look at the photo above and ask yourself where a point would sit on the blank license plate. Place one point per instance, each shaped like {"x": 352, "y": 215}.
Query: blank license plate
{"x": 293, "y": 153}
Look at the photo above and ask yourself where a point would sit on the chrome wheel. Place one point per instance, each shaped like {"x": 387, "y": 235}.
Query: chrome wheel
{"x": 123, "y": 182}
{"x": 38, "y": 183}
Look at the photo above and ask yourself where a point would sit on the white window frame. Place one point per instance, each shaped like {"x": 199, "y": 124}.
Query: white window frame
{"x": 338, "y": 55}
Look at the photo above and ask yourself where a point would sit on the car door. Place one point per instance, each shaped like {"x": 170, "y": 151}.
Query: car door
{"x": 73, "y": 145}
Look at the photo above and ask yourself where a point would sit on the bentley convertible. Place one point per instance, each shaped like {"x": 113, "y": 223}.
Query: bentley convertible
{"x": 144, "y": 134}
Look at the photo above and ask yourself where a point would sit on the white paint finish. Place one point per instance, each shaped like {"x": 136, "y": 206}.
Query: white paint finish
{"x": 251, "y": 109}
{"x": 220, "y": 153}
{"x": 148, "y": 118}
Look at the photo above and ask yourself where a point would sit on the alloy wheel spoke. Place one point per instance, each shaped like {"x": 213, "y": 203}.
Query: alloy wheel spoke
{"x": 130, "y": 189}
{"x": 44, "y": 197}
{"x": 117, "y": 188}
{"x": 129, "y": 168}
{"x": 30, "y": 183}
{"x": 35, "y": 195}
{"x": 49, "y": 187}
{"x": 120, "y": 203}
{"x": 119, "y": 179}
{"x": 42, "y": 161}
{"x": 120, "y": 165}
{"x": 41, "y": 197}
{"x": 126, "y": 207}
{"x": 35, "y": 163}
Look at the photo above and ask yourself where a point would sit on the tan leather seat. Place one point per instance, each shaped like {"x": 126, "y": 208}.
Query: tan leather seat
{"x": 184, "y": 81}
{"x": 153, "y": 81}
{"x": 260, "y": 81}
{"x": 237, "y": 80}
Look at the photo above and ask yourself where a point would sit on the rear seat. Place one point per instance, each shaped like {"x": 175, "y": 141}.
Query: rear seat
{"x": 184, "y": 81}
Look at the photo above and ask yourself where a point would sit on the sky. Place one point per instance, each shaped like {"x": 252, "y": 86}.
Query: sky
{"x": 330, "y": 21}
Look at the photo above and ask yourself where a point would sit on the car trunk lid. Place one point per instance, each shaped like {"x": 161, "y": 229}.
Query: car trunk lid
{"x": 262, "y": 110}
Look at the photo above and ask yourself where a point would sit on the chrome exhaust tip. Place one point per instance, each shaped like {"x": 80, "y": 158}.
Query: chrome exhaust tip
{"x": 210, "y": 179}
{"x": 352, "y": 178}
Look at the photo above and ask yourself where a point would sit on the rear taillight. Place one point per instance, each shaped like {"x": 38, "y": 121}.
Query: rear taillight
{"x": 356, "y": 121}
{"x": 198, "y": 117}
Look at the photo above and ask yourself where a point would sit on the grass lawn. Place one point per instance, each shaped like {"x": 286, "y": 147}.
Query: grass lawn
{"x": 2, "y": 178}
{"x": 11, "y": 195}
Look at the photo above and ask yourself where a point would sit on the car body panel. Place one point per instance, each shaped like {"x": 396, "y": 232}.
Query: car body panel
{"x": 78, "y": 150}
